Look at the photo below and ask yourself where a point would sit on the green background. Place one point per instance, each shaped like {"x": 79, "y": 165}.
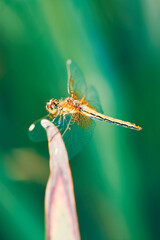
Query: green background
{"x": 116, "y": 43}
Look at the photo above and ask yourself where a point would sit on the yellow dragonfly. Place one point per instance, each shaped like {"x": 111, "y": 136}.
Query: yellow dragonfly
{"x": 74, "y": 115}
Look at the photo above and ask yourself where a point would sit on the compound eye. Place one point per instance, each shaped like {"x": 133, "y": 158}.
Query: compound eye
{"x": 55, "y": 105}
{"x": 52, "y": 106}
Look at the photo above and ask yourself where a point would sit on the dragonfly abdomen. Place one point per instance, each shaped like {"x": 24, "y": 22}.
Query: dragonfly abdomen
{"x": 98, "y": 116}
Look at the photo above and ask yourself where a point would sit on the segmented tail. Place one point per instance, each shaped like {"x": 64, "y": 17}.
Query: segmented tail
{"x": 98, "y": 116}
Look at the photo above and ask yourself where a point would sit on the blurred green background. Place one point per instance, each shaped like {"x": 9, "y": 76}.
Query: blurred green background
{"x": 116, "y": 43}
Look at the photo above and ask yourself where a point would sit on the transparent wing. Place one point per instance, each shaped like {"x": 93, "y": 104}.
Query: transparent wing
{"x": 92, "y": 98}
{"x": 38, "y": 134}
{"x": 76, "y": 82}
{"x": 77, "y": 87}
{"x": 79, "y": 134}
{"x": 76, "y": 130}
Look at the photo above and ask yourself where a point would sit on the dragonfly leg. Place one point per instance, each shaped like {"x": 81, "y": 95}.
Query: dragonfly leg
{"x": 60, "y": 120}
{"x": 67, "y": 125}
{"x": 71, "y": 123}
{"x": 59, "y": 124}
{"x": 63, "y": 118}
{"x": 53, "y": 116}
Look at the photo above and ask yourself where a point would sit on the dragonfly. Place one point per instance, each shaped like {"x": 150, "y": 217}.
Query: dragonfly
{"x": 74, "y": 116}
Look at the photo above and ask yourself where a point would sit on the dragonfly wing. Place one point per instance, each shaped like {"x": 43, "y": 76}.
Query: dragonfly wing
{"x": 92, "y": 98}
{"x": 76, "y": 82}
{"x": 38, "y": 134}
{"x": 79, "y": 134}
{"x": 77, "y": 87}
{"x": 76, "y": 130}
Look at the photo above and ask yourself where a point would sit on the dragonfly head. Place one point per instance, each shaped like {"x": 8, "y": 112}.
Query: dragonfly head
{"x": 52, "y": 106}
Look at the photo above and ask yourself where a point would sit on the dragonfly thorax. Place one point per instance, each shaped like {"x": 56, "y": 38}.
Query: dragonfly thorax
{"x": 66, "y": 106}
